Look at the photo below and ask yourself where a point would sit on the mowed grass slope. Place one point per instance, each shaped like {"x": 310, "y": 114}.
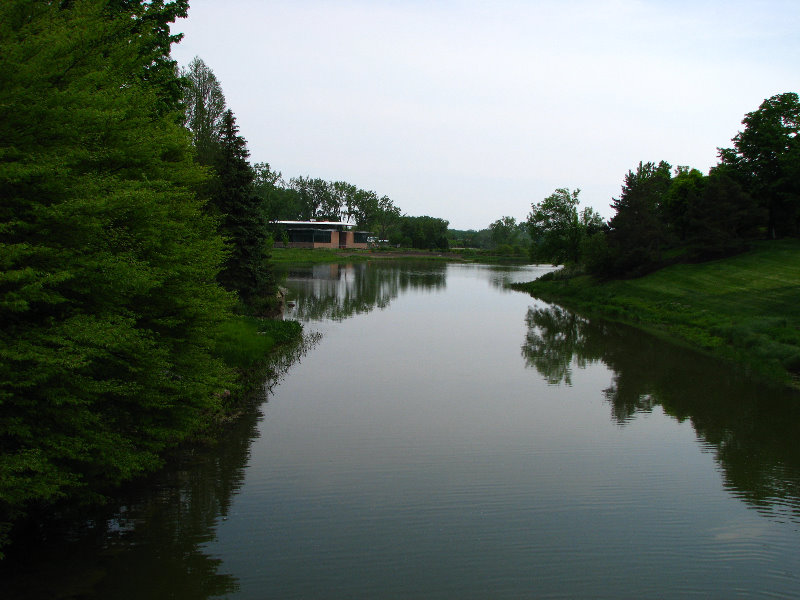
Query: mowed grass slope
{"x": 745, "y": 308}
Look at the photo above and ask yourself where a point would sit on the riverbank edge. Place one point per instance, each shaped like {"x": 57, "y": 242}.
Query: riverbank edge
{"x": 755, "y": 326}
{"x": 306, "y": 256}
{"x": 267, "y": 361}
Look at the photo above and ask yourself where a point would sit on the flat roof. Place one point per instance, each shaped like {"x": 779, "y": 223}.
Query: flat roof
{"x": 312, "y": 223}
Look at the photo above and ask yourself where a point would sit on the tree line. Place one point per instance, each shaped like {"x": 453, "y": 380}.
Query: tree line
{"x": 305, "y": 198}
{"x": 665, "y": 215}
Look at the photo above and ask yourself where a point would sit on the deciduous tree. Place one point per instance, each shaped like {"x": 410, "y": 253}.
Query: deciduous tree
{"x": 765, "y": 157}
{"x": 204, "y": 109}
{"x": 108, "y": 298}
{"x": 555, "y": 228}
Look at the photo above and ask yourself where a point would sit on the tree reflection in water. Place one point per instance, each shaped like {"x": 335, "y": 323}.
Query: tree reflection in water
{"x": 156, "y": 527}
{"x": 752, "y": 428}
{"x": 556, "y": 340}
{"x": 337, "y": 292}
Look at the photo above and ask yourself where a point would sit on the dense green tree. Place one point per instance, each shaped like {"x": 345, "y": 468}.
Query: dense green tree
{"x": 277, "y": 202}
{"x": 470, "y": 238}
{"x": 247, "y": 270}
{"x": 765, "y": 157}
{"x": 685, "y": 190}
{"x": 352, "y": 201}
{"x": 591, "y": 221}
{"x": 386, "y": 217}
{"x": 428, "y": 233}
{"x": 555, "y": 228}
{"x": 721, "y": 218}
{"x": 235, "y": 197}
{"x": 637, "y": 233}
{"x": 689, "y": 216}
{"x": 108, "y": 299}
{"x": 318, "y": 199}
{"x": 359, "y": 206}
{"x": 150, "y": 24}
{"x": 505, "y": 231}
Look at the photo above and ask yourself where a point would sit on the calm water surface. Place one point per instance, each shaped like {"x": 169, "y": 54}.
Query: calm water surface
{"x": 447, "y": 438}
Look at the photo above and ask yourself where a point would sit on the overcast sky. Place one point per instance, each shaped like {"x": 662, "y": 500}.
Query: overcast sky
{"x": 470, "y": 111}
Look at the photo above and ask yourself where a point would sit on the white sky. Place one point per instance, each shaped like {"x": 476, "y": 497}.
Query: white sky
{"x": 470, "y": 111}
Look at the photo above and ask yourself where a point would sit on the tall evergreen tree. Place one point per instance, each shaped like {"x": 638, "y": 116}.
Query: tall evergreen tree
{"x": 108, "y": 299}
{"x": 637, "y": 233}
{"x": 247, "y": 270}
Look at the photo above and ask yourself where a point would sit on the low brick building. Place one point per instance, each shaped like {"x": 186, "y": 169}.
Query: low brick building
{"x": 323, "y": 234}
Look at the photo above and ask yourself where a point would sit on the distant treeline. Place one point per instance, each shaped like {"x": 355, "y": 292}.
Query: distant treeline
{"x": 664, "y": 216}
{"x": 304, "y": 198}
{"x": 504, "y": 237}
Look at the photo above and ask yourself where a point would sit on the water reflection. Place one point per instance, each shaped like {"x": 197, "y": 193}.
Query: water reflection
{"x": 751, "y": 429}
{"x": 500, "y": 276}
{"x": 443, "y": 476}
{"x": 556, "y": 340}
{"x": 337, "y": 292}
{"x": 151, "y": 542}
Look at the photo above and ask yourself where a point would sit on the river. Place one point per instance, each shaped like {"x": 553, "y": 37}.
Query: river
{"x": 443, "y": 437}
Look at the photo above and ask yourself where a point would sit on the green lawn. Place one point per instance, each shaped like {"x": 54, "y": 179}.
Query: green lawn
{"x": 245, "y": 341}
{"x": 745, "y": 308}
{"x": 306, "y": 256}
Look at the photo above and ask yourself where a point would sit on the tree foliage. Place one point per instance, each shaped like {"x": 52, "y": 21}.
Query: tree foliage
{"x": 242, "y": 222}
{"x": 149, "y": 22}
{"x": 232, "y": 191}
{"x": 108, "y": 299}
{"x": 204, "y": 104}
{"x": 637, "y": 234}
{"x": 505, "y": 231}
{"x": 555, "y": 228}
{"x": 306, "y": 198}
{"x": 684, "y": 191}
{"x": 721, "y": 218}
{"x": 425, "y": 233}
{"x": 765, "y": 159}
{"x": 317, "y": 198}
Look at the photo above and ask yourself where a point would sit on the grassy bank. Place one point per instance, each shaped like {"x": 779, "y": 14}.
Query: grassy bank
{"x": 745, "y": 308}
{"x": 245, "y": 341}
{"x": 308, "y": 256}
{"x": 248, "y": 345}
{"x": 313, "y": 255}
{"x": 332, "y": 255}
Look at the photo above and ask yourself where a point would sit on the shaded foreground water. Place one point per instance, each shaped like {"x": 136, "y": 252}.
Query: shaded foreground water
{"x": 448, "y": 438}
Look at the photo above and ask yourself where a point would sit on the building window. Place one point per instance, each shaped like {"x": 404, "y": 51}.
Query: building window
{"x": 322, "y": 236}
{"x": 301, "y": 235}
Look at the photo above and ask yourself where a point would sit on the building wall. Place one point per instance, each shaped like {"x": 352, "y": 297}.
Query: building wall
{"x": 339, "y": 239}
{"x": 349, "y": 240}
